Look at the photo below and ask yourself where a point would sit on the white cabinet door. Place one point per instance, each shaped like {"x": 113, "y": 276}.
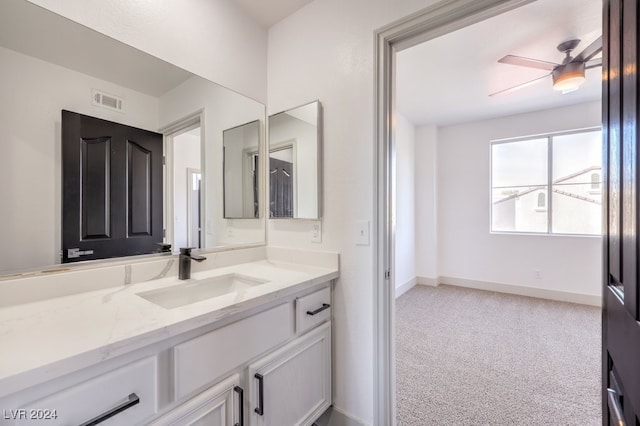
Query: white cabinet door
{"x": 220, "y": 405}
{"x": 292, "y": 386}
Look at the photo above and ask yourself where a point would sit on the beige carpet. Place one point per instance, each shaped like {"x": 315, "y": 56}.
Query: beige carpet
{"x": 470, "y": 357}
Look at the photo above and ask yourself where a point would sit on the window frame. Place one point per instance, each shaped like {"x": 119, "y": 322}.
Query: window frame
{"x": 549, "y": 185}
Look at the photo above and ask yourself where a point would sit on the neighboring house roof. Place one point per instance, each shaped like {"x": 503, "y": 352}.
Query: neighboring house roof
{"x": 557, "y": 191}
{"x": 576, "y": 174}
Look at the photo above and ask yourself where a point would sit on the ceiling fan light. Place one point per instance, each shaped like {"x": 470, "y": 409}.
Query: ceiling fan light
{"x": 569, "y": 77}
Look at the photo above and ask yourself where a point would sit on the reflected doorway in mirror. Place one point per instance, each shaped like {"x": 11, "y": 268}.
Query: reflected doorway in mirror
{"x": 297, "y": 134}
{"x": 184, "y": 179}
{"x": 282, "y": 181}
{"x": 241, "y": 174}
{"x": 112, "y": 189}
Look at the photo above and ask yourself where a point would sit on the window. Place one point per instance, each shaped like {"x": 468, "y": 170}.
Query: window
{"x": 548, "y": 184}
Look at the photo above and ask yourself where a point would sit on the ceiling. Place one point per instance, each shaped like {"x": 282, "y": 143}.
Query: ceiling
{"x": 269, "y": 12}
{"x": 448, "y": 80}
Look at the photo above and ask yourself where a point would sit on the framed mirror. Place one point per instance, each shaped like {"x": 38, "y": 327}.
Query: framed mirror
{"x": 51, "y": 64}
{"x": 295, "y": 166}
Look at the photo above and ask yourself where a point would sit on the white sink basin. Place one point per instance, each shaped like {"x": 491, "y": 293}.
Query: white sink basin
{"x": 192, "y": 291}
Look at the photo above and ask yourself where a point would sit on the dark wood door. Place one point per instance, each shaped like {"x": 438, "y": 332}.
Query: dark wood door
{"x": 621, "y": 329}
{"x": 280, "y": 188}
{"x": 112, "y": 189}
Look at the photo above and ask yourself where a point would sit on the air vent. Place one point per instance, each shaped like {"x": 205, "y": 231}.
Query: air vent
{"x": 106, "y": 100}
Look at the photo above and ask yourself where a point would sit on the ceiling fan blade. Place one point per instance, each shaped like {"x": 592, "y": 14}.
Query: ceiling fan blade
{"x": 593, "y": 63}
{"x": 590, "y": 51}
{"x": 519, "y": 86}
{"x": 528, "y": 62}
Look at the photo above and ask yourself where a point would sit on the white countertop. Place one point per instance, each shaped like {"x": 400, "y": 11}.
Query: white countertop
{"x": 46, "y": 339}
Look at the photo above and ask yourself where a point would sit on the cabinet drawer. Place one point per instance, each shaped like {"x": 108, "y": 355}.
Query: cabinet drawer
{"x": 313, "y": 309}
{"x": 101, "y": 395}
{"x": 201, "y": 360}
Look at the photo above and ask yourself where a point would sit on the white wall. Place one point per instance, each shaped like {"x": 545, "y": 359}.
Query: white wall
{"x": 405, "y": 214}
{"x": 30, "y": 219}
{"x": 426, "y": 149}
{"x": 467, "y": 249}
{"x": 325, "y": 51}
{"x": 211, "y": 38}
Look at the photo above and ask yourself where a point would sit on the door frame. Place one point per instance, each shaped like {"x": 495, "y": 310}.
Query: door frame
{"x": 441, "y": 18}
{"x": 169, "y": 131}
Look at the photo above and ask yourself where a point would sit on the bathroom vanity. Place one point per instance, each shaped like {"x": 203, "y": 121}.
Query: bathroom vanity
{"x": 245, "y": 341}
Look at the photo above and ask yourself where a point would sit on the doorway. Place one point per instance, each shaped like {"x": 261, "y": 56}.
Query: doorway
{"x": 194, "y": 208}
{"x": 427, "y": 25}
{"x": 184, "y": 177}
{"x": 282, "y": 182}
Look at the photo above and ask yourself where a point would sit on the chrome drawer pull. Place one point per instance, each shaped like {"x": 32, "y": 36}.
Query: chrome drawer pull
{"x": 131, "y": 401}
{"x": 614, "y": 408}
{"x": 317, "y": 311}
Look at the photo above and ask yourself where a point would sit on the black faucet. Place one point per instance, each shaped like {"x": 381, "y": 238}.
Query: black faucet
{"x": 184, "y": 265}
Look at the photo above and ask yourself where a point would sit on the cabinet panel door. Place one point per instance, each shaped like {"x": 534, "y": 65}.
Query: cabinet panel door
{"x": 293, "y": 383}
{"x": 217, "y": 406}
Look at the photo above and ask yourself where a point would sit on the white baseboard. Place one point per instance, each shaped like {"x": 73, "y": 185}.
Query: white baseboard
{"x": 541, "y": 293}
{"x": 432, "y": 282}
{"x": 402, "y": 289}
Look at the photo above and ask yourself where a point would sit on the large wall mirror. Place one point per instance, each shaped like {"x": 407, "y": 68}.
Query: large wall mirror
{"x": 295, "y": 166}
{"x": 51, "y": 64}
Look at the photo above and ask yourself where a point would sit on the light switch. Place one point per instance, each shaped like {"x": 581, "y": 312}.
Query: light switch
{"x": 362, "y": 229}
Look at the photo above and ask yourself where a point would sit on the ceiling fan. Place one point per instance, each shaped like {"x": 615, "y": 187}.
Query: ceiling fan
{"x": 568, "y": 75}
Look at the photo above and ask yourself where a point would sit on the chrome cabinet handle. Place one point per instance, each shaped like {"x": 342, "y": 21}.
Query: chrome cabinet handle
{"x": 260, "y": 409}
{"x": 130, "y": 402}
{"x": 614, "y": 408}
{"x": 317, "y": 311}
{"x": 240, "y": 392}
